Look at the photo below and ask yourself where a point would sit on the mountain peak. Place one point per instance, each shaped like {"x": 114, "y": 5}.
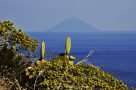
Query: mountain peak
{"x": 73, "y": 19}
{"x": 73, "y": 24}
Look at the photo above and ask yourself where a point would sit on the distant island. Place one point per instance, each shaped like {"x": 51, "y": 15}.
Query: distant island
{"x": 73, "y": 25}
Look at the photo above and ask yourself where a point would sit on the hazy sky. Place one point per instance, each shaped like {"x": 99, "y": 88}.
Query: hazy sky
{"x": 40, "y": 15}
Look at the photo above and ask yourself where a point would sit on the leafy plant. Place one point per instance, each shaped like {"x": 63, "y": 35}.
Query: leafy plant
{"x": 67, "y": 51}
{"x": 68, "y": 45}
{"x": 42, "y": 53}
{"x": 42, "y": 50}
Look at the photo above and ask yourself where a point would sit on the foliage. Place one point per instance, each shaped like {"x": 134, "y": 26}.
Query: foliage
{"x": 15, "y": 38}
{"x": 56, "y": 74}
{"x": 15, "y": 46}
{"x": 14, "y": 42}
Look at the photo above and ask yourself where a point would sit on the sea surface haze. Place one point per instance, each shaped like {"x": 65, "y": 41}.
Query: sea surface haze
{"x": 115, "y": 51}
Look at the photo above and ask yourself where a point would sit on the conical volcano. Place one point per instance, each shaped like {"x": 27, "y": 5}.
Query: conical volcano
{"x": 73, "y": 25}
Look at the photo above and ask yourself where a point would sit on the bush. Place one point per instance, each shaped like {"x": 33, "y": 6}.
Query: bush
{"x": 58, "y": 74}
{"x": 13, "y": 44}
{"x": 16, "y": 50}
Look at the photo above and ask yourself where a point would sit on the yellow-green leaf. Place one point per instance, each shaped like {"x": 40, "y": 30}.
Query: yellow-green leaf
{"x": 42, "y": 50}
{"x": 68, "y": 45}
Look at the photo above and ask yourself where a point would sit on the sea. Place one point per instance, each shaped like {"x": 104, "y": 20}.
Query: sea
{"x": 114, "y": 51}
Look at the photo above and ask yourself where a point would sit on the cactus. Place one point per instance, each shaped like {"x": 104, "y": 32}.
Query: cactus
{"x": 68, "y": 45}
{"x": 42, "y": 50}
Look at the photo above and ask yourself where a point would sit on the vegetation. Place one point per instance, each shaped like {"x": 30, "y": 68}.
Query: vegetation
{"x": 20, "y": 70}
{"x": 13, "y": 44}
{"x": 56, "y": 75}
{"x": 16, "y": 50}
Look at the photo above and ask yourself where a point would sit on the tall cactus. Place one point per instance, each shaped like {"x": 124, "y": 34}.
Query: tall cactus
{"x": 68, "y": 45}
{"x": 42, "y": 50}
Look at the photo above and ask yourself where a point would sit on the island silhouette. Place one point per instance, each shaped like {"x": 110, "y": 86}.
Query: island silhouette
{"x": 73, "y": 25}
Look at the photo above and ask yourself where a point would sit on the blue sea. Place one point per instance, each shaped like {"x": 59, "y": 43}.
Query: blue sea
{"x": 115, "y": 51}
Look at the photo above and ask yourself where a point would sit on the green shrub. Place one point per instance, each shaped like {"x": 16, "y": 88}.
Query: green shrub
{"x": 13, "y": 43}
{"x": 56, "y": 74}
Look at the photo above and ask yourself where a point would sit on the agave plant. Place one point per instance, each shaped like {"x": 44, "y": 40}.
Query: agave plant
{"x": 40, "y": 63}
{"x": 68, "y": 45}
{"x": 67, "y": 51}
{"x": 42, "y": 52}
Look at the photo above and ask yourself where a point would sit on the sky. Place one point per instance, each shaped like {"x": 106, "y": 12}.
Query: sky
{"x": 41, "y": 15}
